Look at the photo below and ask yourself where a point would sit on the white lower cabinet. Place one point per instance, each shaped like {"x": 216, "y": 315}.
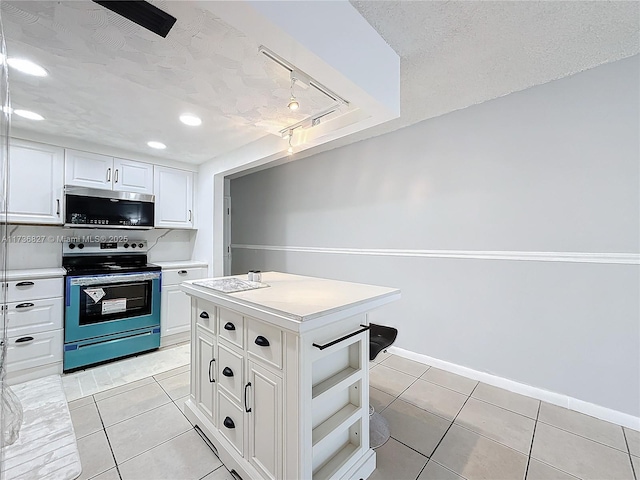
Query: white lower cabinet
{"x": 175, "y": 310}
{"x": 34, "y": 315}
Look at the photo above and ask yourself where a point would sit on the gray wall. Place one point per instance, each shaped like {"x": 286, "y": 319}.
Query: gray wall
{"x": 554, "y": 168}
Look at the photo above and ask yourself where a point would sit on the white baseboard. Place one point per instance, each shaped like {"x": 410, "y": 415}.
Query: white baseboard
{"x": 559, "y": 399}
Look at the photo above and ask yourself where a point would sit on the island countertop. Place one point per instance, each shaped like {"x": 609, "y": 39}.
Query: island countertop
{"x": 298, "y": 299}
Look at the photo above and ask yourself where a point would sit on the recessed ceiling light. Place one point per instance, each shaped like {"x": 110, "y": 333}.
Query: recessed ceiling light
{"x": 28, "y": 114}
{"x": 190, "y": 120}
{"x": 158, "y": 145}
{"x": 27, "y": 66}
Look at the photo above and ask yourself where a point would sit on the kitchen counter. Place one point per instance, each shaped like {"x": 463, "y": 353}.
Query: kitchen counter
{"x": 292, "y": 300}
{"x": 34, "y": 273}
{"x": 182, "y": 264}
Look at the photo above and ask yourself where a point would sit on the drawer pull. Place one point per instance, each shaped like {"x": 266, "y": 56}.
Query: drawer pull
{"x": 227, "y": 372}
{"x": 229, "y": 326}
{"x": 246, "y": 408}
{"x": 211, "y": 379}
{"x": 229, "y": 423}
{"x": 261, "y": 341}
{"x": 24, "y": 284}
{"x": 25, "y": 305}
{"x": 182, "y": 272}
{"x": 341, "y": 339}
{"x": 204, "y": 315}
{"x": 24, "y": 339}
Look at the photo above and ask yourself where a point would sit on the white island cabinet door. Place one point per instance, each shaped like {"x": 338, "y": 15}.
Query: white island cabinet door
{"x": 36, "y": 174}
{"x": 205, "y": 387}
{"x": 91, "y": 170}
{"x": 130, "y": 176}
{"x": 173, "y": 189}
{"x": 265, "y": 421}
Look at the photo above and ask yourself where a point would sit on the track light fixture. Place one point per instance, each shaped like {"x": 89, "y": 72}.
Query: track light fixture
{"x": 290, "y": 149}
{"x": 293, "y": 103}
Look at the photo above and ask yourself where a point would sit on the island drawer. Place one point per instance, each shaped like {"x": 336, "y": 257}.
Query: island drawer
{"x": 231, "y": 327}
{"x": 230, "y": 372}
{"x": 264, "y": 342}
{"x": 206, "y": 314}
{"x": 231, "y": 421}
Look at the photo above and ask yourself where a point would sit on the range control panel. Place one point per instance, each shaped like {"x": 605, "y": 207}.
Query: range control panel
{"x": 102, "y": 246}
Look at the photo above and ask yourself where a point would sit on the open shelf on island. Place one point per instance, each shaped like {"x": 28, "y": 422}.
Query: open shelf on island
{"x": 330, "y": 468}
{"x": 339, "y": 381}
{"x": 341, "y": 420}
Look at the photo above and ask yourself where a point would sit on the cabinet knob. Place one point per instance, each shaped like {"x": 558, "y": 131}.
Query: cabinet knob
{"x": 227, "y": 372}
{"x": 204, "y": 315}
{"x": 182, "y": 272}
{"x": 229, "y": 326}
{"x": 229, "y": 423}
{"x": 261, "y": 341}
{"x": 24, "y": 284}
{"x": 24, "y": 339}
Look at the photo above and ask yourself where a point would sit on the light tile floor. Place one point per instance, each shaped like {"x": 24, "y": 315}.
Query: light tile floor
{"x": 443, "y": 427}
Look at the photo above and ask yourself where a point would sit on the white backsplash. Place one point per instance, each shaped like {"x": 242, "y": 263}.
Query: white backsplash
{"x": 164, "y": 244}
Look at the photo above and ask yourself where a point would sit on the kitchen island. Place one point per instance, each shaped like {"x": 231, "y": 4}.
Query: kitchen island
{"x": 280, "y": 377}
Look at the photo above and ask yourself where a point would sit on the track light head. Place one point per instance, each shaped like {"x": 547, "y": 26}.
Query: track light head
{"x": 293, "y": 104}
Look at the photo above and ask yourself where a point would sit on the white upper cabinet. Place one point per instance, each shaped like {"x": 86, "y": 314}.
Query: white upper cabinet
{"x": 101, "y": 171}
{"x": 173, "y": 189}
{"x": 130, "y": 176}
{"x": 88, "y": 169}
{"x": 36, "y": 175}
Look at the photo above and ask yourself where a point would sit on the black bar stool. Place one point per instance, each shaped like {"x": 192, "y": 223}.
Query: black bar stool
{"x": 380, "y": 338}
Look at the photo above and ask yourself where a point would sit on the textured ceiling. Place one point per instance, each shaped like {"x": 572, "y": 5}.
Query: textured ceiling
{"x": 459, "y": 53}
{"x": 114, "y": 83}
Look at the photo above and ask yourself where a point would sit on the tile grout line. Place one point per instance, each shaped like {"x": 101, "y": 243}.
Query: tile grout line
{"x": 104, "y": 429}
{"x": 449, "y": 428}
{"x": 626, "y": 441}
{"x": 533, "y": 436}
{"x": 587, "y": 438}
{"x": 174, "y": 401}
{"x": 139, "y": 414}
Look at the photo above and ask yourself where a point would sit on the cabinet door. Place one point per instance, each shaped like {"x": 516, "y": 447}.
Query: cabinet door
{"x": 265, "y": 421}
{"x": 88, "y": 170}
{"x": 173, "y": 189}
{"x": 35, "y": 183}
{"x": 130, "y": 176}
{"x": 175, "y": 314}
{"x": 205, "y": 388}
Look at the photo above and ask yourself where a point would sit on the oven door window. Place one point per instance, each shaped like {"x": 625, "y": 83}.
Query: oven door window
{"x": 114, "y": 301}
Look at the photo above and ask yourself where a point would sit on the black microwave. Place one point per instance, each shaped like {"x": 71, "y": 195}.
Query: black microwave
{"x": 95, "y": 208}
